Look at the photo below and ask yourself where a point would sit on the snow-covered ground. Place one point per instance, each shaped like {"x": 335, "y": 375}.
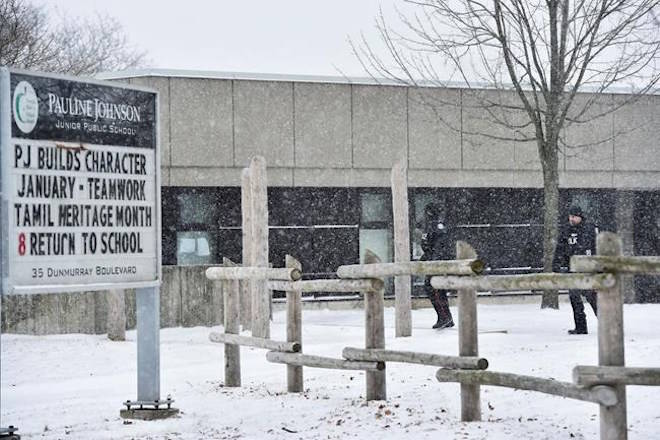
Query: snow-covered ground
{"x": 72, "y": 386}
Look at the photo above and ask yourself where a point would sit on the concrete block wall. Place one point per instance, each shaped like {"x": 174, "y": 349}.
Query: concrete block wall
{"x": 637, "y": 132}
{"x": 201, "y": 134}
{"x": 434, "y": 124}
{"x": 343, "y": 134}
{"x": 380, "y": 129}
{"x": 187, "y": 299}
{"x": 322, "y": 121}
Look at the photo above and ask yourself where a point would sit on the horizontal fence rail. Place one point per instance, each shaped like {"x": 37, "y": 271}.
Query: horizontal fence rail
{"x": 588, "y": 376}
{"x": 306, "y": 360}
{"x": 368, "y": 285}
{"x": 618, "y": 264}
{"x": 250, "y": 341}
{"x": 382, "y": 270}
{"x": 601, "y": 394}
{"x": 535, "y": 281}
{"x": 412, "y": 357}
{"x": 253, "y": 273}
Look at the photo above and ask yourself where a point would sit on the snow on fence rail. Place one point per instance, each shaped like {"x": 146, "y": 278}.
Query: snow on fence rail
{"x": 587, "y": 375}
{"x": 338, "y": 286}
{"x": 249, "y": 341}
{"x": 306, "y": 360}
{"x": 533, "y": 281}
{"x": 252, "y": 273}
{"x": 602, "y": 395}
{"x": 470, "y": 266}
{"x": 413, "y": 357}
{"x": 615, "y": 263}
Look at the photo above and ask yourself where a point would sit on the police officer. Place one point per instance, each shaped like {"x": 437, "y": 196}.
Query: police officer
{"x": 578, "y": 238}
{"x": 436, "y": 245}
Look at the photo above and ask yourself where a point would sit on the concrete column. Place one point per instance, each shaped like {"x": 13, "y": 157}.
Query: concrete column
{"x": 116, "y": 315}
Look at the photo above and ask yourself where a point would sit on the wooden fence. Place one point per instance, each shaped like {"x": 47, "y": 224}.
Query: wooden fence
{"x": 290, "y": 351}
{"x": 603, "y": 384}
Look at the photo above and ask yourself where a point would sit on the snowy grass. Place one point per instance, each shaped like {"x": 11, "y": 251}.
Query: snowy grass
{"x": 72, "y": 386}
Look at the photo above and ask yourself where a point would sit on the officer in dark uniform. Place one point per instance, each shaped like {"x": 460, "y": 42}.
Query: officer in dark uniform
{"x": 436, "y": 245}
{"x": 578, "y": 238}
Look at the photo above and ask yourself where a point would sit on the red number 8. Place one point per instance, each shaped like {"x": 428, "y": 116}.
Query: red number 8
{"x": 21, "y": 243}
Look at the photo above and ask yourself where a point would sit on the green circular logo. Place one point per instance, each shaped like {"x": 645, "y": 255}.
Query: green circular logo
{"x": 25, "y": 107}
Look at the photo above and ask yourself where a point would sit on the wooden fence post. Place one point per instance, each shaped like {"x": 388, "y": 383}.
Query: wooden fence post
{"x": 246, "y": 236}
{"x": 259, "y": 253}
{"x": 402, "y": 290}
{"x": 613, "y": 423}
{"x": 294, "y": 374}
{"x": 468, "y": 340}
{"x": 375, "y": 334}
{"x": 232, "y": 326}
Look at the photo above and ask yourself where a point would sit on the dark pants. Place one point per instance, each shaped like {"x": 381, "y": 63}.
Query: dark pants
{"x": 578, "y": 306}
{"x": 439, "y": 301}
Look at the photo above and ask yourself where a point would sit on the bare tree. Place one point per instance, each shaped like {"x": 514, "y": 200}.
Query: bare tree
{"x": 31, "y": 38}
{"x": 540, "y": 53}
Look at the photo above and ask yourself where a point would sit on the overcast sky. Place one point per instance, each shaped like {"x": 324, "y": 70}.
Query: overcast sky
{"x": 264, "y": 36}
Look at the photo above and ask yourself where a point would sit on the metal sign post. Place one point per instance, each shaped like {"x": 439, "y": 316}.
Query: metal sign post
{"x": 80, "y": 165}
{"x": 149, "y": 405}
{"x": 148, "y": 353}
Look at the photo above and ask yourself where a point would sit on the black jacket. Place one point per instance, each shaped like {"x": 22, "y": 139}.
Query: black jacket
{"x": 436, "y": 243}
{"x": 574, "y": 240}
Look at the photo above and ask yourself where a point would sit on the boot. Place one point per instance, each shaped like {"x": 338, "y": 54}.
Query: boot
{"x": 442, "y": 309}
{"x": 580, "y": 324}
{"x": 438, "y": 309}
{"x": 578, "y": 331}
{"x": 446, "y": 323}
{"x": 579, "y": 316}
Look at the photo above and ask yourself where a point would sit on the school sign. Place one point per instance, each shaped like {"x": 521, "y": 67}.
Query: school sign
{"x": 80, "y": 184}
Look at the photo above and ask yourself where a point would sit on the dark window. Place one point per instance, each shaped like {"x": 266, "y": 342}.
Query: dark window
{"x": 318, "y": 226}
{"x": 201, "y": 225}
{"x": 646, "y": 237}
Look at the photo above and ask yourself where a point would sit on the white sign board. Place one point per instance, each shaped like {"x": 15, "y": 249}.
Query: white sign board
{"x": 80, "y": 184}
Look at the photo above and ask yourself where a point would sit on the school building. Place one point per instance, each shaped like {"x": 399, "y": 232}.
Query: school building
{"x": 330, "y": 144}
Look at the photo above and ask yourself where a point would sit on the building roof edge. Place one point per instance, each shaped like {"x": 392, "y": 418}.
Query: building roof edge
{"x": 323, "y": 79}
